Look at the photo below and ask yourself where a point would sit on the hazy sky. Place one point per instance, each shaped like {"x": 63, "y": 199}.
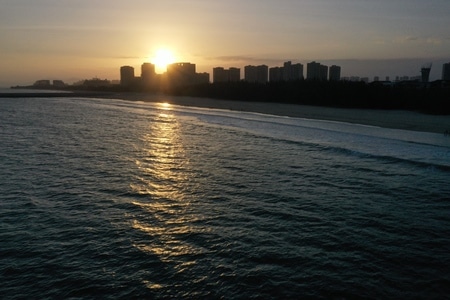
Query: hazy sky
{"x": 77, "y": 39}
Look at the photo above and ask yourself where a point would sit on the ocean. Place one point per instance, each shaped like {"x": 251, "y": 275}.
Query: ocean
{"x": 109, "y": 199}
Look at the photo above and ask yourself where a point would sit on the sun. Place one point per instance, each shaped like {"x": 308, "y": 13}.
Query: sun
{"x": 162, "y": 58}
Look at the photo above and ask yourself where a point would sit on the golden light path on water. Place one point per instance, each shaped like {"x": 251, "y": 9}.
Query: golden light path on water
{"x": 164, "y": 179}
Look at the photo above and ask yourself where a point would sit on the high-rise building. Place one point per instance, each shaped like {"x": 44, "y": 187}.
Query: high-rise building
{"x": 262, "y": 73}
{"x": 250, "y": 73}
{"x": 126, "y": 75}
{"x": 425, "y": 72}
{"x": 286, "y": 71}
{"x": 223, "y": 75}
{"x": 147, "y": 73}
{"x": 323, "y": 72}
{"x": 256, "y": 74}
{"x": 275, "y": 74}
{"x": 313, "y": 70}
{"x": 179, "y": 74}
{"x": 335, "y": 73}
{"x": 234, "y": 74}
{"x": 201, "y": 78}
{"x": 296, "y": 72}
{"x": 316, "y": 71}
{"x": 220, "y": 75}
{"x": 446, "y": 72}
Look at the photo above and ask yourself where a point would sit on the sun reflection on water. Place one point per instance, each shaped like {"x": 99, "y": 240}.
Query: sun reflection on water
{"x": 163, "y": 164}
{"x": 165, "y": 195}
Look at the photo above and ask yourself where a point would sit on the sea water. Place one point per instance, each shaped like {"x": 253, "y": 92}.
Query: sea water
{"x": 108, "y": 199}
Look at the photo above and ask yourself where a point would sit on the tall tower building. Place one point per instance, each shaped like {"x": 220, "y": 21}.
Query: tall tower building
{"x": 147, "y": 73}
{"x": 234, "y": 74}
{"x": 335, "y": 73}
{"x": 313, "y": 70}
{"x": 126, "y": 75}
{"x": 256, "y": 74}
{"x": 297, "y": 72}
{"x": 287, "y": 71}
{"x": 323, "y": 72}
{"x": 446, "y": 72}
{"x": 182, "y": 73}
{"x": 223, "y": 75}
{"x": 262, "y": 73}
{"x": 220, "y": 75}
{"x": 425, "y": 72}
{"x": 250, "y": 73}
{"x": 275, "y": 74}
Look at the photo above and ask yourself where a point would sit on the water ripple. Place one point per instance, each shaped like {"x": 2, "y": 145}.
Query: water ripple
{"x": 108, "y": 199}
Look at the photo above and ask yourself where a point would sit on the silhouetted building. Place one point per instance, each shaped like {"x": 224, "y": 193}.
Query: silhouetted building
{"x": 42, "y": 83}
{"x": 376, "y": 78}
{"x": 96, "y": 83}
{"x": 262, "y": 73}
{"x": 223, "y": 75}
{"x": 256, "y": 74}
{"x": 220, "y": 75}
{"x": 316, "y": 71}
{"x": 296, "y": 72}
{"x": 292, "y": 71}
{"x": 323, "y": 72}
{"x": 180, "y": 74}
{"x": 58, "y": 83}
{"x": 335, "y": 73}
{"x": 313, "y": 71}
{"x": 288, "y": 72}
{"x": 127, "y": 76}
{"x": 234, "y": 74}
{"x": 446, "y": 72}
{"x": 275, "y": 74}
{"x": 148, "y": 73}
{"x": 250, "y": 73}
{"x": 425, "y": 72}
{"x": 201, "y": 78}
{"x": 402, "y": 78}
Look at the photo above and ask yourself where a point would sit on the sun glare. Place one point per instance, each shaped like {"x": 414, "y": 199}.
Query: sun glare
{"x": 162, "y": 58}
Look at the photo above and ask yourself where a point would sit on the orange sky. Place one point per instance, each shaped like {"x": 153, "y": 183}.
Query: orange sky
{"x": 73, "y": 40}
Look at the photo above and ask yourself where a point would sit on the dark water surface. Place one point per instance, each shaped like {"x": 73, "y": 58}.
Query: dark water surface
{"x": 106, "y": 199}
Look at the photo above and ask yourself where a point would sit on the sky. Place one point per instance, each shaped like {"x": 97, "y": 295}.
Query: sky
{"x": 80, "y": 39}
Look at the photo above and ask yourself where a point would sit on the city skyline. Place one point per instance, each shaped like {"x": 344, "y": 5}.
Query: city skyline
{"x": 72, "y": 40}
{"x": 149, "y": 77}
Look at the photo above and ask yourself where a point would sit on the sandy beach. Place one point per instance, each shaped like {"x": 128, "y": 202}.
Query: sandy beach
{"x": 397, "y": 119}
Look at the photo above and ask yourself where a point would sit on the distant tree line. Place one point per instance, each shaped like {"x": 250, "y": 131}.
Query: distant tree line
{"x": 433, "y": 98}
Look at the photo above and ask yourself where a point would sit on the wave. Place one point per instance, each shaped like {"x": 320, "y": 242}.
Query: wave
{"x": 421, "y": 149}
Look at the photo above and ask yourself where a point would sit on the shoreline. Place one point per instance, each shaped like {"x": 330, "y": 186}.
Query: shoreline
{"x": 394, "y": 119}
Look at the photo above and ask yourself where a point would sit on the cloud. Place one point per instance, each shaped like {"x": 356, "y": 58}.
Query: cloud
{"x": 245, "y": 59}
{"x": 428, "y": 40}
{"x": 412, "y": 38}
{"x": 128, "y": 57}
{"x": 235, "y": 58}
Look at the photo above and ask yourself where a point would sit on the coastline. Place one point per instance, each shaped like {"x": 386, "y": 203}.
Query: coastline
{"x": 394, "y": 119}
